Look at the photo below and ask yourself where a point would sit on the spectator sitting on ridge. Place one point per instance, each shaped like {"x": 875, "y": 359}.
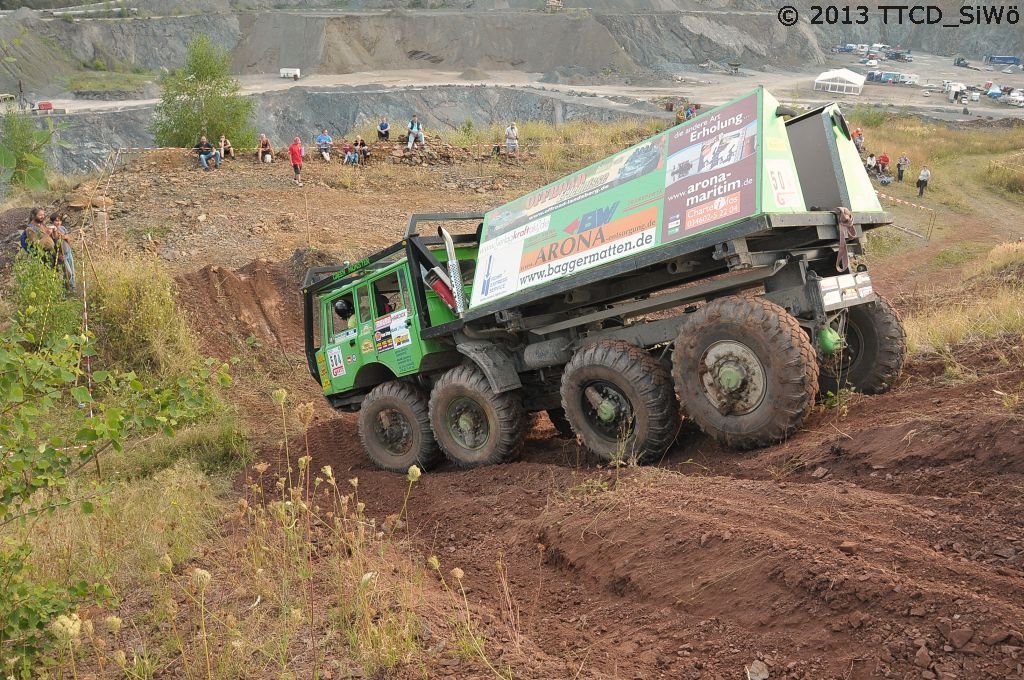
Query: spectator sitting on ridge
{"x": 226, "y": 150}
{"x": 415, "y": 133}
{"x": 362, "y": 149}
{"x": 264, "y": 152}
{"x": 351, "y": 155}
{"x": 205, "y": 151}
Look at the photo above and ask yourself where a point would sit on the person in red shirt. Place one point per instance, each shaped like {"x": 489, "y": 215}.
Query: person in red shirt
{"x": 295, "y": 153}
{"x": 883, "y": 162}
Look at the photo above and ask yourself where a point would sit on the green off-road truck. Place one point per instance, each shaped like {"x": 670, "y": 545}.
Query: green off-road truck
{"x": 712, "y": 270}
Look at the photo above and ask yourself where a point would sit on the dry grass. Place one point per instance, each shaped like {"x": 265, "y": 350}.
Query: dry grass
{"x": 949, "y": 153}
{"x": 295, "y": 580}
{"x": 132, "y": 526}
{"x": 977, "y": 313}
{"x": 1003, "y": 257}
{"x": 135, "y": 318}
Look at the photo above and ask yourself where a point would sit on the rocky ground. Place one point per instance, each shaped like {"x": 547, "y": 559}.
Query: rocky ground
{"x": 884, "y": 540}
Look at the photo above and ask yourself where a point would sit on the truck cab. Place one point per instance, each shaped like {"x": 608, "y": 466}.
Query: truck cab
{"x": 364, "y": 321}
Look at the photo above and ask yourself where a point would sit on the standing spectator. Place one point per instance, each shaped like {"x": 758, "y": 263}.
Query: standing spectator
{"x": 922, "y": 180}
{"x": 295, "y": 154}
{"x": 324, "y": 142}
{"x": 883, "y": 162}
{"x": 901, "y": 166}
{"x": 512, "y": 141}
{"x": 264, "y": 152}
{"x": 62, "y": 243}
{"x": 206, "y": 151}
{"x": 383, "y": 129}
{"x": 858, "y": 139}
{"x": 226, "y": 150}
{"x": 415, "y": 132}
{"x": 362, "y": 149}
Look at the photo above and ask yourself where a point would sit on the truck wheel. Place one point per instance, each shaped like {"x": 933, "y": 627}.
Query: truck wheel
{"x": 561, "y": 424}
{"x": 872, "y": 360}
{"x": 619, "y": 401}
{"x": 745, "y": 371}
{"x": 473, "y": 425}
{"x": 395, "y": 427}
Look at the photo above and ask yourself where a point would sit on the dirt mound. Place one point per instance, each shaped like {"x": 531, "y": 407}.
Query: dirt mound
{"x": 807, "y": 578}
{"x": 238, "y": 309}
{"x": 474, "y": 74}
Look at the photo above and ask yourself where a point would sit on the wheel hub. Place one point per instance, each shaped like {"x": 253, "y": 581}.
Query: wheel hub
{"x": 608, "y": 410}
{"x": 467, "y": 423}
{"x": 393, "y": 431}
{"x": 730, "y": 377}
{"x": 733, "y": 377}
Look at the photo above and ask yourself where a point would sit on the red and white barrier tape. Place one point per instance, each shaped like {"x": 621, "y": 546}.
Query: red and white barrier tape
{"x": 902, "y": 202}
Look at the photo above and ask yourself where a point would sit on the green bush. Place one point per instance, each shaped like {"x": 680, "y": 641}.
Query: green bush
{"x": 203, "y": 99}
{"x": 21, "y": 151}
{"x": 867, "y": 116}
{"x": 43, "y": 311}
{"x": 217, "y": 445}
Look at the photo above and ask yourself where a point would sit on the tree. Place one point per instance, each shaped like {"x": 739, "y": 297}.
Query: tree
{"x": 202, "y": 99}
{"x": 21, "y": 151}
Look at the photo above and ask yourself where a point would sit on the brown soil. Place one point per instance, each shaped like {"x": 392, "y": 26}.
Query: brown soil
{"x": 884, "y": 540}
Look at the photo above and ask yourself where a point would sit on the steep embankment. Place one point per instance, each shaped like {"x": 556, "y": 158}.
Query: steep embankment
{"x": 525, "y": 41}
{"x": 281, "y": 115}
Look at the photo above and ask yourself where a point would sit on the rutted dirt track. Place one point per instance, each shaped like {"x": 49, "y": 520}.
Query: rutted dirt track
{"x": 884, "y": 540}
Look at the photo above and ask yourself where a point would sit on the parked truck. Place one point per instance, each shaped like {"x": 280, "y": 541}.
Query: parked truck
{"x": 1002, "y": 60}
{"x": 714, "y": 269}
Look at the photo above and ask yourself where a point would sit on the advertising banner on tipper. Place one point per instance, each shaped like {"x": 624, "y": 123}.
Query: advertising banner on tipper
{"x": 695, "y": 177}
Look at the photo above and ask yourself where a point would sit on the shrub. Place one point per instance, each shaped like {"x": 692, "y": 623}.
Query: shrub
{"x": 43, "y": 312}
{"x": 21, "y": 151}
{"x": 136, "y": 320}
{"x": 203, "y": 99}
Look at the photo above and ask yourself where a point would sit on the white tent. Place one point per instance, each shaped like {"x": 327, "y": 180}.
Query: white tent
{"x": 841, "y": 80}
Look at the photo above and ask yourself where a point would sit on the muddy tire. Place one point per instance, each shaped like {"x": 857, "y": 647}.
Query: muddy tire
{"x": 395, "y": 428}
{"x": 872, "y": 360}
{"x": 561, "y": 424}
{"x": 745, "y": 371}
{"x": 619, "y": 400}
{"x": 473, "y": 425}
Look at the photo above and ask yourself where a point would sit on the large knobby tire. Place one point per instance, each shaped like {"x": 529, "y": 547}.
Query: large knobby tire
{"x": 745, "y": 371}
{"x": 473, "y": 425}
{"x": 619, "y": 400}
{"x": 395, "y": 427}
{"x": 874, "y": 352}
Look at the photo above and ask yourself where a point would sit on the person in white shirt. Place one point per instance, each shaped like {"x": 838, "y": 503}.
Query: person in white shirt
{"x": 922, "y": 180}
{"x": 512, "y": 140}
{"x": 415, "y": 132}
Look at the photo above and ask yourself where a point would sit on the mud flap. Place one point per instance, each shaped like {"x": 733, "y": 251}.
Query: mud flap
{"x": 496, "y": 365}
